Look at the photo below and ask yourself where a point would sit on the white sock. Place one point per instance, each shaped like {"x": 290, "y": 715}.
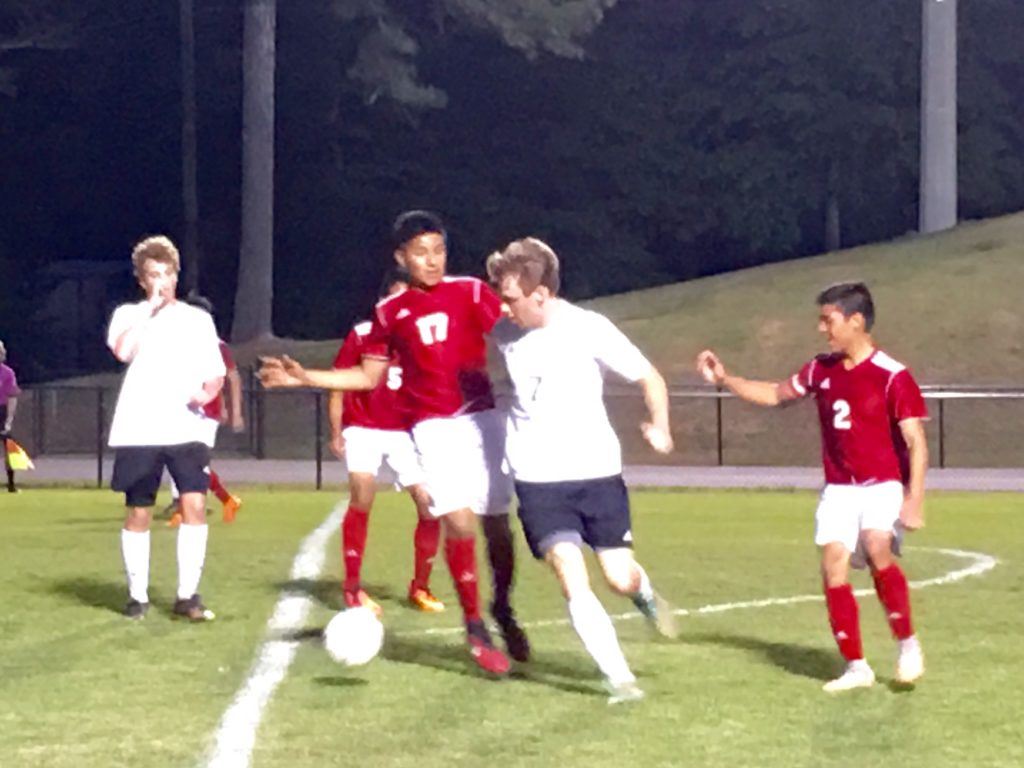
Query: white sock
{"x": 591, "y": 622}
{"x": 135, "y": 553}
{"x": 909, "y": 644}
{"x": 191, "y": 556}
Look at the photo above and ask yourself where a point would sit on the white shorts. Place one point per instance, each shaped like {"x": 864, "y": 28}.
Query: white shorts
{"x": 387, "y": 454}
{"x": 464, "y": 461}
{"x": 846, "y": 510}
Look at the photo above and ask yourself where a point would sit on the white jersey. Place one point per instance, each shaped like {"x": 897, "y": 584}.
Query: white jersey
{"x": 558, "y": 427}
{"x": 178, "y": 352}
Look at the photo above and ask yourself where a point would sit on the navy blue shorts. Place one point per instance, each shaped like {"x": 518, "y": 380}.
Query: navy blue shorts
{"x": 592, "y": 512}
{"x": 139, "y": 468}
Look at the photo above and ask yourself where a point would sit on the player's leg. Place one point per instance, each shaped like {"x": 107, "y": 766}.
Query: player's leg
{"x": 837, "y": 528}
{"x": 11, "y": 487}
{"x": 230, "y": 504}
{"x": 494, "y": 503}
{"x": 354, "y": 532}
{"x": 188, "y": 464}
{"x": 880, "y": 541}
{"x": 137, "y": 472}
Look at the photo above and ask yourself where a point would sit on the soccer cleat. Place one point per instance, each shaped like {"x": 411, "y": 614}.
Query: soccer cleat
{"x": 623, "y": 693}
{"x": 135, "y": 609}
{"x": 515, "y": 638}
{"x": 659, "y": 614}
{"x": 354, "y": 598}
{"x": 482, "y": 649}
{"x": 857, "y": 675}
{"x": 231, "y": 507}
{"x": 910, "y": 664}
{"x": 175, "y": 519}
{"x": 192, "y": 608}
{"x": 424, "y": 600}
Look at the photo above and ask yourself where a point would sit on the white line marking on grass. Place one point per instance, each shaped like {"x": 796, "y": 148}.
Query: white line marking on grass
{"x": 236, "y": 733}
{"x": 982, "y": 563}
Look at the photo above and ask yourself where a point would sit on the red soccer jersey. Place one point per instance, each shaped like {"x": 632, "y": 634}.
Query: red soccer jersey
{"x": 437, "y": 334}
{"x": 860, "y": 410}
{"x": 215, "y": 408}
{"x": 375, "y": 408}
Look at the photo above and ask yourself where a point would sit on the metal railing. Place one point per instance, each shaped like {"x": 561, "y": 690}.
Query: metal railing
{"x": 970, "y": 427}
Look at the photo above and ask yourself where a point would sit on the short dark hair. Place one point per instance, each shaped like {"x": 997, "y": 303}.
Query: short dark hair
{"x": 850, "y": 298}
{"x": 395, "y": 274}
{"x": 413, "y": 224}
{"x": 200, "y": 301}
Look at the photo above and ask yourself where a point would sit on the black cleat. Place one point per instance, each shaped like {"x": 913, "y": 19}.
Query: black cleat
{"x": 135, "y": 610}
{"x": 516, "y": 642}
{"x": 192, "y": 608}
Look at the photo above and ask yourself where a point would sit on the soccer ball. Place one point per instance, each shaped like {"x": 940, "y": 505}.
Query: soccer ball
{"x": 354, "y": 636}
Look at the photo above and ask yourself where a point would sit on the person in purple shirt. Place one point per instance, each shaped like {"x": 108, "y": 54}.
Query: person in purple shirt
{"x": 8, "y": 405}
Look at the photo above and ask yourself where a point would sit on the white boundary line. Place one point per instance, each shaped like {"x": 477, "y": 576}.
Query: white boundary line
{"x": 236, "y": 734}
{"x": 981, "y": 564}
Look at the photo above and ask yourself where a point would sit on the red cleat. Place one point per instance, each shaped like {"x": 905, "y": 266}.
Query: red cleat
{"x": 482, "y": 649}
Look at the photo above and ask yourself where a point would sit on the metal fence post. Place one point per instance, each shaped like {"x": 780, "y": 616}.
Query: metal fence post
{"x": 39, "y": 405}
{"x": 319, "y": 430}
{"x": 99, "y": 436}
{"x": 942, "y": 433}
{"x": 718, "y": 427}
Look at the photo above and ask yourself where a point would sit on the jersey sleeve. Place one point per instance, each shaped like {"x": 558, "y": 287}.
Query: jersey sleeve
{"x": 616, "y": 353}
{"x": 349, "y": 352}
{"x": 486, "y": 305}
{"x": 227, "y": 357}
{"x": 904, "y": 399}
{"x": 802, "y": 383}
{"x": 377, "y": 343}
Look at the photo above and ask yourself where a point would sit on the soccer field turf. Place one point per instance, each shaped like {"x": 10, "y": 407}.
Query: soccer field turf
{"x": 81, "y": 686}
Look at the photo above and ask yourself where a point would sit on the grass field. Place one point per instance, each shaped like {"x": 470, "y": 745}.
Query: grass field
{"x": 80, "y": 686}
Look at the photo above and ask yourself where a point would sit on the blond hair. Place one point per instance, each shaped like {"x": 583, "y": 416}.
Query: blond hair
{"x": 530, "y": 260}
{"x": 156, "y": 248}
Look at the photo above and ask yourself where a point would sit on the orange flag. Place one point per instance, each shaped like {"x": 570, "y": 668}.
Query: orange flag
{"x": 17, "y": 458}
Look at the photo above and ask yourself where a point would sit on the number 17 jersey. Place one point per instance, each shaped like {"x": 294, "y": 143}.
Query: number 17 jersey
{"x": 438, "y": 336}
{"x": 860, "y": 409}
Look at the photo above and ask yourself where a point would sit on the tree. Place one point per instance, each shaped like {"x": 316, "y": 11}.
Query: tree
{"x": 189, "y": 151}
{"x": 32, "y": 26}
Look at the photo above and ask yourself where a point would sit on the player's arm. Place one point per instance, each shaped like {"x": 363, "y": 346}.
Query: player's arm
{"x": 285, "y": 372}
{"x": 912, "y": 511}
{"x": 207, "y": 393}
{"x": 128, "y": 325}
{"x": 335, "y": 408}
{"x": 656, "y": 429}
{"x": 12, "y": 406}
{"x": 235, "y": 396}
{"x": 770, "y": 393}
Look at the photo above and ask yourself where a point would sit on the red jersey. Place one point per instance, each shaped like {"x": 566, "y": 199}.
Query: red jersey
{"x": 437, "y": 334}
{"x": 215, "y": 408}
{"x": 374, "y": 408}
{"x": 860, "y": 410}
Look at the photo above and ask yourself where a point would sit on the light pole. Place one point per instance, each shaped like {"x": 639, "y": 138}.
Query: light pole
{"x": 938, "y": 177}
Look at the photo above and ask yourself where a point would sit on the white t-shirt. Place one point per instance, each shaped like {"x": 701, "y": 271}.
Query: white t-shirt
{"x": 178, "y": 352}
{"x": 558, "y": 426}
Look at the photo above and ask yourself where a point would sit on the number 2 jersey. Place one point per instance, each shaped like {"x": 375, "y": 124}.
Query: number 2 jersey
{"x": 375, "y": 408}
{"x": 860, "y": 409}
{"x": 437, "y": 335}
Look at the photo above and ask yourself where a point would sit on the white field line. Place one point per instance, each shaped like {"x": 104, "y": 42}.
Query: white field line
{"x": 980, "y": 563}
{"x": 236, "y": 734}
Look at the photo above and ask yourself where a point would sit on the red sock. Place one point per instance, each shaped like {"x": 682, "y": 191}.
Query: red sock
{"x": 353, "y": 544}
{"x": 892, "y": 589}
{"x": 461, "y": 557}
{"x": 844, "y": 617}
{"x": 217, "y": 487}
{"x": 425, "y": 542}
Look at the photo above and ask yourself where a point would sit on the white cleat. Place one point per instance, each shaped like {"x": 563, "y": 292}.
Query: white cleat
{"x": 857, "y": 675}
{"x": 623, "y": 693}
{"x": 910, "y": 664}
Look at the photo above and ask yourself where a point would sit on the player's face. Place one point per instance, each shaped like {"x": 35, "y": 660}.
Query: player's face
{"x": 840, "y": 331}
{"x": 424, "y": 256}
{"x": 525, "y": 310}
{"x": 156, "y": 277}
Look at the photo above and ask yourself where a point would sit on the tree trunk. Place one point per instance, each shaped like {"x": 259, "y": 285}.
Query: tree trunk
{"x": 254, "y": 294}
{"x": 938, "y": 182}
{"x": 189, "y": 185}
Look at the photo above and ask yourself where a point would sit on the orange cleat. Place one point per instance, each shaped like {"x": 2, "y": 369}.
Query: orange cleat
{"x": 175, "y": 520}
{"x": 231, "y": 507}
{"x": 354, "y": 598}
{"x": 424, "y": 600}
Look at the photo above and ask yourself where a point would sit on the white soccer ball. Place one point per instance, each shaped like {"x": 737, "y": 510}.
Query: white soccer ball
{"x": 354, "y": 636}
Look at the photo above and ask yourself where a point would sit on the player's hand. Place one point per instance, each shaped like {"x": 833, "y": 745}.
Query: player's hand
{"x": 710, "y": 367}
{"x": 237, "y": 425}
{"x": 912, "y": 513}
{"x": 338, "y": 445}
{"x": 658, "y": 438}
{"x": 157, "y": 300}
{"x": 200, "y": 399}
{"x": 281, "y": 372}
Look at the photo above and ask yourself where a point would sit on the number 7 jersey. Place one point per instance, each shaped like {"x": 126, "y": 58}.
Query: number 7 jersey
{"x": 860, "y": 409}
{"x": 437, "y": 335}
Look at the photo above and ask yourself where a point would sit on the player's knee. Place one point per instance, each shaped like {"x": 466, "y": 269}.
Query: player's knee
{"x": 623, "y": 581}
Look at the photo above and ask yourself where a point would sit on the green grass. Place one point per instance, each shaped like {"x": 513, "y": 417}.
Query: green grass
{"x": 80, "y": 686}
